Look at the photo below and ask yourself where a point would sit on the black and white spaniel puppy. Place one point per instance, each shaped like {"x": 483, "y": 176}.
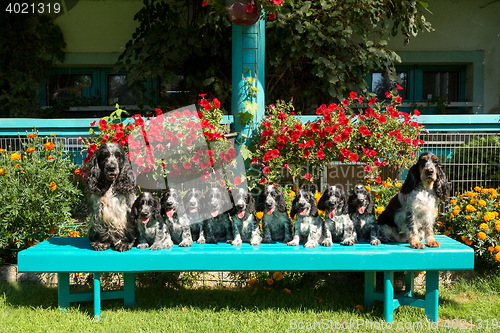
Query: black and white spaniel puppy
{"x": 276, "y": 224}
{"x": 218, "y": 226}
{"x": 112, "y": 189}
{"x": 245, "y": 226}
{"x": 411, "y": 214}
{"x": 153, "y": 232}
{"x": 362, "y": 212}
{"x": 192, "y": 203}
{"x": 333, "y": 202}
{"x": 308, "y": 224}
{"x": 175, "y": 217}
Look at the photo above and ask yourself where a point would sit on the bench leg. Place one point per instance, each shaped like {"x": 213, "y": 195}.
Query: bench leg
{"x": 63, "y": 297}
{"x": 97, "y": 297}
{"x": 370, "y": 283}
{"x": 129, "y": 289}
{"x": 409, "y": 282}
{"x": 388, "y": 296}
{"x": 432, "y": 295}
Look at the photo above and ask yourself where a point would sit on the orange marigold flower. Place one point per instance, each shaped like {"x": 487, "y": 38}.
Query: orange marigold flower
{"x": 270, "y": 281}
{"x": 497, "y": 257}
{"x": 288, "y": 291}
{"x": 50, "y": 157}
{"x": 453, "y": 202}
{"x": 497, "y": 248}
{"x": 481, "y": 235}
{"x": 3, "y": 172}
{"x": 252, "y": 281}
{"x": 468, "y": 242}
{"x": 32, "y": 135}
{"x": 379, "y": 209}
{"x": 491, "y": 248}
{"x": 359, "y": 307}
{"x": 467, "y": 217}
{"x": 497, "y": 227}
{"x": 277, "y": 276}
{"x": 53, "y": 186}
{"x": 456, "y": 207}
{"x": 472, "y": 201}
{"x": 470, "y": 208}
{"x": 78, "y": 172}
{"x": 30, "y": 149}
{"x": 477, "y": 189}
{"x": 456, "y": 212}
{"x": 470, "y": 194}
{"x": 74, "y": 233}
{"x": 15, "y": 156}
{"x": 489, "y": 216}
{"x": 49, "y": 146}
{"x": 2, "y": 150}
{"x": 317, "y": 196}
{"x": 481, "y": 203}
{"x": 259, "y": 215}
{"x": 483, "y": 226}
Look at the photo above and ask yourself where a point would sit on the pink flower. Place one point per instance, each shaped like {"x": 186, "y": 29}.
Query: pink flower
{"x": 237, "y": 181}
{"x": 266, "y": 169}
{"x": 277, "y": 2}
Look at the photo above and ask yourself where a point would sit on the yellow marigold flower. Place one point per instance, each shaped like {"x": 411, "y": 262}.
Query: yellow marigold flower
{"x": 456, "y": 212}
{"x": 470, "y": 208}
{"x": 291, "y": 194}
{"x": 497, "y": 248}
{"x": 53, "y": 186}
{"x": 456, "y": 207}
{"x": 30, "y": 149}
{"x": 496, "y": 213}
{"x": 15, "y": 156}
{"x": 252, "y": 281}
{"x": 470, "y": 194}
{"x": 398, "y": 184}
{"x": 491, "y": 248}
{"x": 379, "y": 209}
{"x": 31, "y": 135}
{"x": 317, "y": 196}
{"x": 259, "y": 215}
{"x": 48, "y": 146}
{"x": 497, "y": 257}
{"x": 377, "y": 197}
{"x": 496, "y": 204}
{"x": 467, "y": 217}
{"x": 477, "y": 189}
{"x": 74, "y": 234}
{"x": 270, "y": 281}
{"x": 483, "y": 226}
{"x": 489, "y": 216}
{"x": 481, "y": 235}
{"x": 368, "y": 188}
{"x": 288, "y": 291}
{"x": 453, "y": 202}
{"x": 53, "y": 134}
{"x": 277, "y": 276}
{"x": 481, "y": 203}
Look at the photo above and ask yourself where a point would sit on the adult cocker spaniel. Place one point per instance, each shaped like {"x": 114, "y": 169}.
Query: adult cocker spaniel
{"x": 113, "y": 191}
{"x": 411, "y": 214}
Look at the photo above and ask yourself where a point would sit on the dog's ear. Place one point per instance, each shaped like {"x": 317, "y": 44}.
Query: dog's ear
{"x": 156, "y": 208}
{"x": 281, "y": 205}
{"x": 351, "y": 207}
{"x": 293, "y": 211}
{"x": 162, "y": 203}
{"x": 412, "y": 179}
{"x": 134, "y": 211}
{"x": 250, "y": 203}
{"x": 125, "y": 182}
{"x": 179, "y": 208}
{"x": 324, "y": 198}
{"x": 371, "y": 204}
{"x": 442, "y": 185}
{"x": 261, "y": 203}
{"x": 344, "y": 208}
{"x": 96, "y": 177}
{"x": 312, "y": 202}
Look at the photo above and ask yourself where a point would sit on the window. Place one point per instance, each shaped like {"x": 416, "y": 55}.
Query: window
{"x": 381, "y": 84}
{"x": 65, "y": 87}
{"x": 119, "y": 91}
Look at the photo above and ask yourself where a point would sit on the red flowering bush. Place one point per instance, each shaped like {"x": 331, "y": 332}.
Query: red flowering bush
{"x": 268, "y": 7}
{"x": 380, "y": 135}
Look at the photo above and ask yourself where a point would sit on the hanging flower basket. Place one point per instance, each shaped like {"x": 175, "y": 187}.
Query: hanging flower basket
{"x": 242, "y": 12}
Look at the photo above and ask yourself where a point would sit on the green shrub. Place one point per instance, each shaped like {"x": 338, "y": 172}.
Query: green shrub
{"x": 37, "y": 194}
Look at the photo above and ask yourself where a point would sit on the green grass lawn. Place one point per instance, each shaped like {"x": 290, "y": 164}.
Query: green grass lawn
{"x": 31, "y": 307}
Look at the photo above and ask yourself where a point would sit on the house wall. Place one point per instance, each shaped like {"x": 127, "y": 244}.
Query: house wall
{"x": 462, "y": 28}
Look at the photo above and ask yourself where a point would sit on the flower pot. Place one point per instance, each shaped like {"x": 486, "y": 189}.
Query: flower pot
{"x": 238, "y": 14}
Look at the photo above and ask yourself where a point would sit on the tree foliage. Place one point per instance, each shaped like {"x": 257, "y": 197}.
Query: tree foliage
{"x": 316, "y": 51}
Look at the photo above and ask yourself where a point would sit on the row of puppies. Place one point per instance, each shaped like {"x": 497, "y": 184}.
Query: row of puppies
{"x": 176, "y": 220}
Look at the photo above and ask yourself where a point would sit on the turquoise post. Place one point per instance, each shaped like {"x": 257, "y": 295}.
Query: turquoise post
{"x": 97, "y": 297}
{"x": 432, "y": 295}
{"x": 63, "y": 294}
{"x": 248, "y": 51}
{"x": 388, "y": 296}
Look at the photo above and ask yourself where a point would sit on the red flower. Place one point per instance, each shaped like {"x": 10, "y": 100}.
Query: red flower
{"x": 368, "y": 168}
{"x": 399, "y": 87}
{"x": 379, "y": 180}
{"x": 266, "y": 169}
{"x": 307, "y": 153}
{"x": 263, "y": 180}
{"x": 204, "y": 3}
{"x": 277, "y": 2}
{"x": 139, "y": 161}
{"x": 249, "y": 8}
{"x": 345, "y": 102}
{"x": 254, "y": 161}
{"x": 399, "y": 100}
{"x": 416, "y": 113}
{"x": 307, "y": 176}
{"x": 237, "y": 181}
{"x": 216, "y": 103}
{"x": 376, "y": 163}
{"x": 320, "y": 155}
{"x": 353, "y": 95}
{"x": 388, "y": 94}
{"x": 365, "y": 131}
{"x": 272, "y": 16}
{"x": 187, "y": 165}
{"x": 372, "y": 100}
{"x": 381, "y": 119}
{"x": 353, "y": 157}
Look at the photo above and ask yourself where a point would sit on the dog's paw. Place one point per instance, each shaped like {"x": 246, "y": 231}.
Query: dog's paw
{"x": 142, "y": 246}
{"x": 375, "y": 242}
{"x": 417, "y": 245}
{"x": 348, "y": 242}
{"x": 327, "y": 242}
{"x": 201, "y": 240}
{"x": 293, "y": 243}
{"x": 156, "y": 247}
{"x": 98, "y": 246}
{"x": 123, "y": 246}
{"x": 432, "y": 243}
{"x": 310, "y": 244}
{"x": 255, "y": 242}
{"x": 186, "y": 243}
{"x": 237, "y": 242}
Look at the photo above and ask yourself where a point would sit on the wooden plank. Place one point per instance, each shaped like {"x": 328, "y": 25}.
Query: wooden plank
{"x": 76, "y": 255}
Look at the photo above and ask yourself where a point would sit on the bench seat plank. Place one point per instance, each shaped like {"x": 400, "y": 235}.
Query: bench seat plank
{"x": 76, "y": 255}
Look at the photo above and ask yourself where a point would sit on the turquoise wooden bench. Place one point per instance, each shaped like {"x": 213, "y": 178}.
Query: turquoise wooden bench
{"x": 65, "y": 255}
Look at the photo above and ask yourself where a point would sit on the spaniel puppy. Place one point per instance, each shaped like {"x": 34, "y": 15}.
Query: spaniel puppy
{"x": 362, "y": 213}
{"x": 192, "y": 202}
{"x": 175, "y": 216}
{"x": 334, "y": 203}
{"x": 218, "y": 226}
{"x": 411, "y": 214}
{"x": 153, "y": 232}
{"x": 276, "y": 224}
{"x": 245, "y": 227}
{"x": 308, "y": 224}
{"x": 112, "y": 188}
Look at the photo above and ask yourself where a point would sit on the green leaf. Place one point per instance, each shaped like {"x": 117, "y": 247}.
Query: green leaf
{"x": 245, "y": 152}
{"x": 208, "y": 81}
